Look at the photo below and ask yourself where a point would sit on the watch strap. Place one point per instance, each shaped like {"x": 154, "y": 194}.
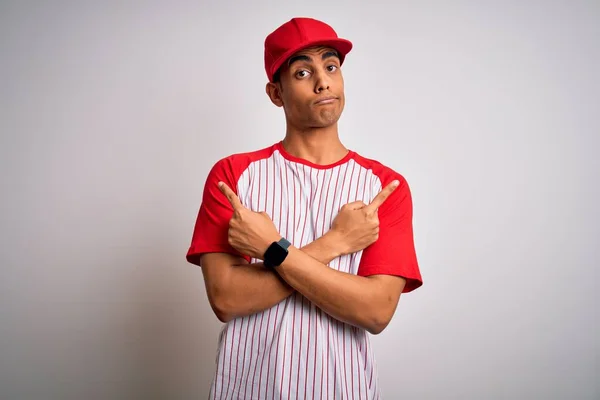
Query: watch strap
{"x": 283, "y": 242}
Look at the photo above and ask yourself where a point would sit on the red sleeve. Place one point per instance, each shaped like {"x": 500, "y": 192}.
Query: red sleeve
{"x": 212, "y": 224}
{"x": 394, "y": 252}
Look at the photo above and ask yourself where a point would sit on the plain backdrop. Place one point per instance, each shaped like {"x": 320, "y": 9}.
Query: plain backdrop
{"x": 112, "y": 113}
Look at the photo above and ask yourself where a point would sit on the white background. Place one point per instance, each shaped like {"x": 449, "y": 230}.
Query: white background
{"x": 111, "y": 116}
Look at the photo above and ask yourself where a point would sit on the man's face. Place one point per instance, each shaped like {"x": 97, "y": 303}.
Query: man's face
{"x": 311, "y": 88}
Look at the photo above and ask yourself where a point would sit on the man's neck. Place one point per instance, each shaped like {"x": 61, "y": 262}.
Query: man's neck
{"x": 319, "y": 146}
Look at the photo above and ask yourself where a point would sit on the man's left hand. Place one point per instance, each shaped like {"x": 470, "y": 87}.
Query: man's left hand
{"x": 250, "y": 232}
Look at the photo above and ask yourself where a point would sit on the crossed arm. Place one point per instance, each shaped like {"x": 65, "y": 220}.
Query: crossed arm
{"x": 236, "y": 288}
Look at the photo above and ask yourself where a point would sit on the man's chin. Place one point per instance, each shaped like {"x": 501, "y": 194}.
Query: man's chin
{"x": 327, "y": 119}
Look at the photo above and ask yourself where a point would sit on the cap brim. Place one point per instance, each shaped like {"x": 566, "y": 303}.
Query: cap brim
{"x": 343, "y": 47}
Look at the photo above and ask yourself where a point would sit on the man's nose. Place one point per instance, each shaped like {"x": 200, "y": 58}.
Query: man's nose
{"x": 322, "y": 82}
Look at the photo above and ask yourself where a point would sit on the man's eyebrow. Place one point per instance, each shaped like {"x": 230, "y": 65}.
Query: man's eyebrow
{"x": 324, "y": 56}
{"x": 298, "y": 58}
{"x": 328, "y": 54}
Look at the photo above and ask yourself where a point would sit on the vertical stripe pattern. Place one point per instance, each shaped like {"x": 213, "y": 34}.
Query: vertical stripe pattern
{"x": 294, "y": 350}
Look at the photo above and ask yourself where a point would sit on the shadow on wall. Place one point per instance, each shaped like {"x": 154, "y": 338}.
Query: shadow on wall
{"x": 173, "y": 335}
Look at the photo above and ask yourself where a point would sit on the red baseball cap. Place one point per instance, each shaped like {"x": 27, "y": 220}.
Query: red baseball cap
{"x": 298, "y": 34}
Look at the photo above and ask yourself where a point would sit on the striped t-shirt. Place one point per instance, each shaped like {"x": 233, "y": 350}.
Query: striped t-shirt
{"x": 294, "y": 350}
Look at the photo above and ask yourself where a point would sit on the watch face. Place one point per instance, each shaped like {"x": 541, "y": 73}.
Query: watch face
{"x": 275, "y": 255}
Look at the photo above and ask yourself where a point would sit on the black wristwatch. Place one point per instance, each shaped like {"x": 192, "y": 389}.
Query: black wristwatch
{"x": 276, "y": 253}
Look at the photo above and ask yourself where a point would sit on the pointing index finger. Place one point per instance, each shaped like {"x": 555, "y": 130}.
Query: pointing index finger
{"x": 234, "y": 200}
{"x": 382, "y": 196}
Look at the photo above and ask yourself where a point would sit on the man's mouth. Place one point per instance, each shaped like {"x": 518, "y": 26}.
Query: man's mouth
{"x": 326, "y": 100}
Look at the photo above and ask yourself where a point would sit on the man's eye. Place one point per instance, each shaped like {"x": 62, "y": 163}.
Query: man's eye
{"x": 332, "y": 68}
{"x": 302, "y": 73}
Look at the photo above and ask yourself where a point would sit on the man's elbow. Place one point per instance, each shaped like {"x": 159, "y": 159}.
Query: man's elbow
{"x": 221, "y": 308}
{"x": 376, "y": 326}
{"x": 378, "y": 321}
{"x": 222, "y": 315}
{"x": 382, "y": 307}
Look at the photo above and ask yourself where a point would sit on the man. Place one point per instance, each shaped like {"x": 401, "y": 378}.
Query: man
{"x": 305, "y": 246}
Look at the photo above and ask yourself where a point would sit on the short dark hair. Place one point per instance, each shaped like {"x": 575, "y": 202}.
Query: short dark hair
{"x": 276, "y": 76}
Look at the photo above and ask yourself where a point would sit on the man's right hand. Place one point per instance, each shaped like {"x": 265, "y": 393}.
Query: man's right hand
{"x": 357, "y": 224}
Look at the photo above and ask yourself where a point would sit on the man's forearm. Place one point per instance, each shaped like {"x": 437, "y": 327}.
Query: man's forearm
{"x": 254, "y": 288}
{"x": 360, "y": 301}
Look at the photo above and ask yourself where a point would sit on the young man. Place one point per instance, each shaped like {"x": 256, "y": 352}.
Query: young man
{"x": 305, "y": 246}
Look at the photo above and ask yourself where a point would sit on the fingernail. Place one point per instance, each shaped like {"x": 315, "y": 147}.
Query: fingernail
{"x": 396, "y": 183}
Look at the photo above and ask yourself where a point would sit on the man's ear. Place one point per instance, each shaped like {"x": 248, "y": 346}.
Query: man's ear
{"x": 274, "y": 92}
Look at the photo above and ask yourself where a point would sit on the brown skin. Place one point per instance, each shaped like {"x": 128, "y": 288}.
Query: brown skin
{"x": 236, "y": 288}
{"x": 313, "y": 74}
{"x": 312, "y": 131}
